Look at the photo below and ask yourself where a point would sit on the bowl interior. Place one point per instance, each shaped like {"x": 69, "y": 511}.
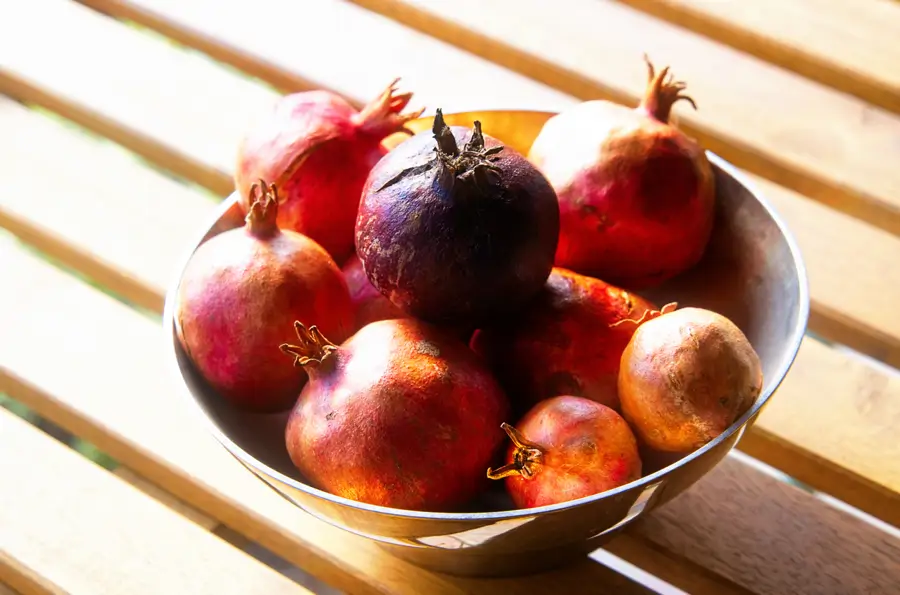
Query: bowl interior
{"x": 751, "y": 272}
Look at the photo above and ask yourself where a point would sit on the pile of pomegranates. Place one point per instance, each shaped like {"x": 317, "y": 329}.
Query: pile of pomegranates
{"x": 436, "y": 317}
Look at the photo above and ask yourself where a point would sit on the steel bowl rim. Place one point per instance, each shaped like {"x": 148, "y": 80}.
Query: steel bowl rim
{"x": 796, "y": 337}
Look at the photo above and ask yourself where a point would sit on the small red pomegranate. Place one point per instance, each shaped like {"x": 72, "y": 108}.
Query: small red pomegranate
{"x": 686, "y": 377}
{"x": 567, "y": 448}
{"x": 569, "y": 340}
{"x": 636, "y": 195}
{"x": 318, "y": 150}
{"x": 240, "y": 293}
{"x": 369, "y": 303}
{"x": 455, "y": 228}
{"x": 402, "y": 414}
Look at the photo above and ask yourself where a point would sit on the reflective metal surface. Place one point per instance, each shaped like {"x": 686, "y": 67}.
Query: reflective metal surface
{"x": 752, "y": 273}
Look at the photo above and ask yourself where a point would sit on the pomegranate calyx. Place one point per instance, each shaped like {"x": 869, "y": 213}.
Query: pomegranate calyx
{"x": 646, "y": 316}
{"x": 313, "y": 347}
{"x": 662, "y": 93}
{"x": 382, "y": 116}
{"x": 473, "y": 165}
{"x": 526, "y": 458}
{"x": 263, "y": 213}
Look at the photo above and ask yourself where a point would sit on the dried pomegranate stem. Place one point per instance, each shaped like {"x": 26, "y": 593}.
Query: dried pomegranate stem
{"x": 444, "y": 136}
{"x": 313, "y": 347}
{"x": 472, "y": 165}
{"x": 526, "y": 457}
{"x": 261, "y": 219}
{"x": 662, "y": 93}
{"x": 382, "y": 116}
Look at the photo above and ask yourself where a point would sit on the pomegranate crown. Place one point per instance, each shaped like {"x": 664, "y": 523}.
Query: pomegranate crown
{"x": 526, "y": 457}
{"x": 313, "y": 347}
{"x": 382, "y": 116}
{"x": 662, "y": 93}
{"x": 263, "y": 213}
{"x": 473, "y": 164}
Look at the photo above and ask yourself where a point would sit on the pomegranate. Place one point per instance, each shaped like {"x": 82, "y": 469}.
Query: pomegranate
{"x": 369, "y": 303}
{"x": 240, "y": 292}
{"x": 686, "y": 376}
{"x": 402, "y": 414}
{"x": 567, "y": 448}
{"x": 636, "y": 195}
{"x": 568, "y": 340}
{"x": 456, "y": 236}
{"x": 318, "y": 149}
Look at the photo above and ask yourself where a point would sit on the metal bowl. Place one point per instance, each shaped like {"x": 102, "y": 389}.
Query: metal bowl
{"x": 752, "y": 273}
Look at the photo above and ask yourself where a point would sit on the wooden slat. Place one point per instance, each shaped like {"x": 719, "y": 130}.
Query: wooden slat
{"x": 127, "y": 406}
{"x": 838, "y": 249}
{"x": 126, "y": 223}
{"x": 86, "y": 532}
{"x": 837, "y": 246}
{"x": 164, "y": 497}
{"x": 845, "y": 414}
{"x": 772, "y": 539}
{"x": 150, "y": 432}
{"x": 832, "y": 424}
{"x": 853, "y": 283}
{"x": 828, "y": 145}
{"x": 340, "y": 47}
{"x": 846, "y": 44}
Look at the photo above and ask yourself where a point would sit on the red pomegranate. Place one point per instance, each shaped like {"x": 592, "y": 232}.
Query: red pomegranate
{"x": 402, "y": 414}
{"x": 238, "y": 296}
{"x": 318, "y": 150}
{"x": 567, "y": 448}
{"x": 686, "y": 377}
{"x": 569, "y": 340}
{"x": 369, "y": 303}
{"x": 636, "y": 195}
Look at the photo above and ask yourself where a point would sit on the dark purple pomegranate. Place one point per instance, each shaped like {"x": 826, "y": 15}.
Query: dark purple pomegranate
{"x": 455, "y": 228}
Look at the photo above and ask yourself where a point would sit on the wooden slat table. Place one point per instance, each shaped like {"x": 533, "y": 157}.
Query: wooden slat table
{"x": 121, "y": 118}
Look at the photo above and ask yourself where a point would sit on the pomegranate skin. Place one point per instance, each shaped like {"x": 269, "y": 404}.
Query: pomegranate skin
{"x": 459, "y": 235}
{"x": 237, "y": 300}
{"x": 569, "y": 448}
{"x": 370, "y": 305}
{"x": 636, "y": 195}
{"x": 401, "y": 415}
{"x": 318, "y": 150}
{"x": 566, "y": 341}
{"x": 686, "y": 376}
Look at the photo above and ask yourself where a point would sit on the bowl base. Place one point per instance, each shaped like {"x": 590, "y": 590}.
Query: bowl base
{"x": 496, "y": 565}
